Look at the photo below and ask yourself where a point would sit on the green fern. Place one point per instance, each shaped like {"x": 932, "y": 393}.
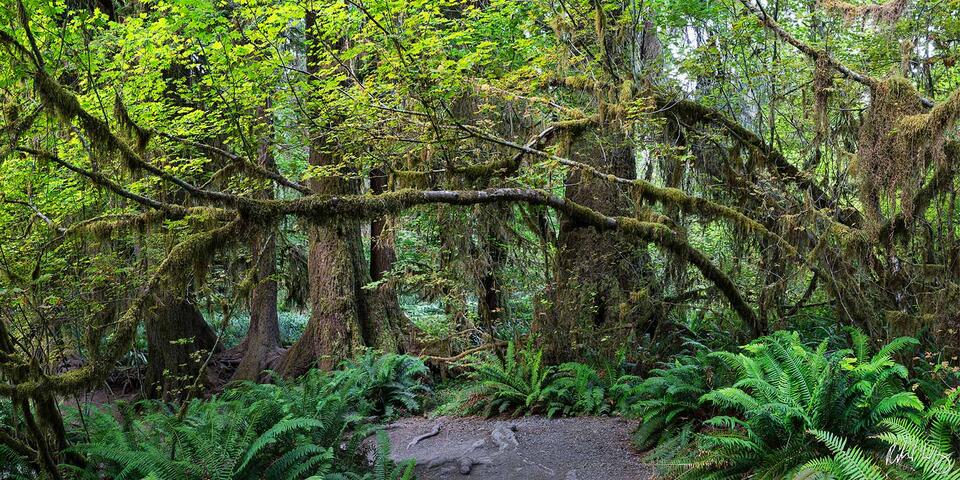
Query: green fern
{"x": 581, "y": 390}
{"x": 669, "y": 398}
{"x": 12, "y": 465}
{"x": 851, "y": 463}
{"x": 388, "y": 384}
{"x": 217, "y": 439}
{"x": 286, "y": 431}
{"x": 921, "y": 451}
{"x": 520, "y": 383}
{"x": 383, "y": 467}
{"x": 788, "y": 401}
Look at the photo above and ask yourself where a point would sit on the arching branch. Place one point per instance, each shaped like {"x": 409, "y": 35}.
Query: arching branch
{"x": 649, "y": 191}
{"x": 101, "y": 180}
{"x": 324, "y": 208}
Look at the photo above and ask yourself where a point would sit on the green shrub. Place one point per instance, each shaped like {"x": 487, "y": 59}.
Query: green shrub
{"x": 215, "y": 439}
{"x": 383, "y": 467}
{"x": 521, "y": 384}
{"x": 782, "y": 394}
{"x": 291, "y": 323}
{"x": 387, "y": 384}
{"x": 12, "y": 465}
{"x": 669, "y": 398}
{"x": 310, "y": 427}
{"x": 517, "y": 384}
{"x": 579, "y": 389}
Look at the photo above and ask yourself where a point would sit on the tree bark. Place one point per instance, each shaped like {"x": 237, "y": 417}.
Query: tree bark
{"x": 601, "y": 294}
{"x": 262, "y": 342}
{"x": 344, "y": 316}
{"x": 177, "y": 339}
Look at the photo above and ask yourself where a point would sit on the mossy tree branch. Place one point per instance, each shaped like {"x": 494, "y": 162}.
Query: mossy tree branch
{"x": 649, "y": 191}
{"x": 942, "y": 178}
{"x": 693, "y": 112}
{"x": 182, "y": 258}
{"x": 101, "y": 180}
{"x": 323, "y": 208}
{"x": 815, "y": 53}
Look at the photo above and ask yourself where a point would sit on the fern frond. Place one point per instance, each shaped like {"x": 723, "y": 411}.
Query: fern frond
{"x": 852, "y": 462}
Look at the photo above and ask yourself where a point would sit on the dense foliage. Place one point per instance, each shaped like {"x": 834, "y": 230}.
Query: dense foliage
{"x": 777, "y": 408}
{"x": 734, "y": 220}
{"x": 314, "y": 427}
{"x": 781, "y": 408}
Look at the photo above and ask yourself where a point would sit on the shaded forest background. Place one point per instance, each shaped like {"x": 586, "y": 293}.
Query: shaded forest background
{"x": 201, "y": 192}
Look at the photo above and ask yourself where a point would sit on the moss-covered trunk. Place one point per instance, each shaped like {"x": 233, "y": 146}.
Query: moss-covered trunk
{"x": 344, "y": 316}
{"x": 262, "y": 342}
{"x": 601, "y": 294}
{"x": 383, "y": 254}
{"x": 178, "y": 339}
{"x": 42, "y": 425}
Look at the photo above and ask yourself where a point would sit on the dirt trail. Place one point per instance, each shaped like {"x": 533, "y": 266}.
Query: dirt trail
{"x": 528, "y": 448}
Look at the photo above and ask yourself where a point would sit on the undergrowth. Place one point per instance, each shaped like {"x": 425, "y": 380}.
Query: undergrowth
{"x": 520, "y": 383}
{"x": 780, "y": 408}
{"x": 776, "y": 408}
{"x": 313, "y": 427}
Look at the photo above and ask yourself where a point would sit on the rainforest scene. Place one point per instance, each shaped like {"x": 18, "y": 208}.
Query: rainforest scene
{"x": 489, "y": 239}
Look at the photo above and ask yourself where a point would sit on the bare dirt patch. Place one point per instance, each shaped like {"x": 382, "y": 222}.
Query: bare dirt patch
{"x": 529, "y": 448}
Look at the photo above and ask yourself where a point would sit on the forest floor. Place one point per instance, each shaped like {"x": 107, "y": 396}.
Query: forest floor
{"x": 529, "y": 448}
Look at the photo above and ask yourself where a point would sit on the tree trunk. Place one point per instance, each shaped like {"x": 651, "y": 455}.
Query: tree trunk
{"x": 344, "y": 316}
{"x": 382, "y": 253}
{"x": 178, "y": 338}
{"x": 262, "y": 342}
{"x": 490, "y": 307}
{"x": 601, "y": 296}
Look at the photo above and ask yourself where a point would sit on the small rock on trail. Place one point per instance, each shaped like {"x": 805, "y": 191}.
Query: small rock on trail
{"x": 527, "y": 448}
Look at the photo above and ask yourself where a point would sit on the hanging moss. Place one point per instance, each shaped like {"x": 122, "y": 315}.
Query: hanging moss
{"x": 626, "y": 93}
{"x": 822, "y": 88}
{"x": 687, "y": 203}
{"x": 138, "y": 133}
{"x": 115, "y": 344}
{"x": 574, "y": 82}
{"x": 695, "y": 113}
{"x": 906, "y": 57}
{"x": 888, "y": 12}
{"x": 891, "y": 157}
{"x": 400, "y": 179}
